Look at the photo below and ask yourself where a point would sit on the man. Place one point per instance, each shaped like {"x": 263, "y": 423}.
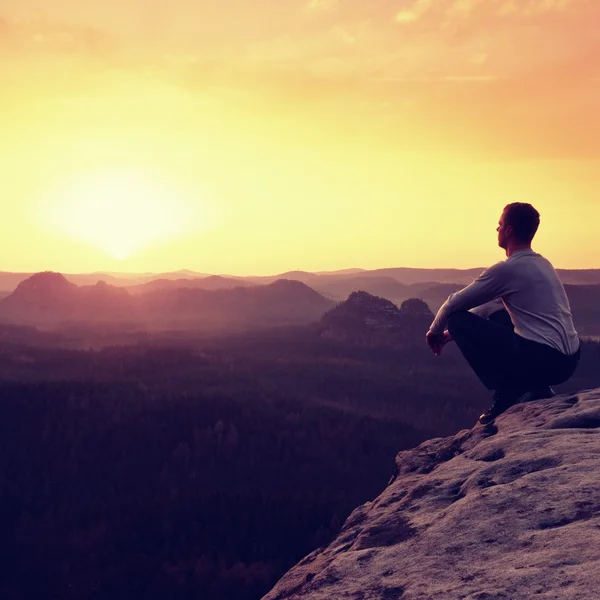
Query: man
{"x": 518, "y": 358}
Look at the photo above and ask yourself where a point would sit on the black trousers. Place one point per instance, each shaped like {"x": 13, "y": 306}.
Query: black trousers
{"x": 504, "y": 360}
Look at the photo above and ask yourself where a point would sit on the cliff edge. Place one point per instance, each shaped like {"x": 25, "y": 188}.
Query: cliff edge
{"x": 504, "y": 512}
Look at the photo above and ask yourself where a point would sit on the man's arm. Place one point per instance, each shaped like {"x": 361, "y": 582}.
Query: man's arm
{"x": 489, "y": 308}
{"x": 490, "y": 285}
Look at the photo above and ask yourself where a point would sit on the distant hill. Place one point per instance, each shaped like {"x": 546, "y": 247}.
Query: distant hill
{"x": 370, "y": 320}
{"x": 330, "y": 283}
{"x": 94, "y": 278}
{"x": 10, "y": 281}
{"x": 339, "y": 288}
{"x": 214, "y": 282}
{"x": 435, "y": 294}
{"x": 49, "y": 299}
{"x": 579, "y": 276}
{"x": 283, "y": 302}
{"x": 341, "y": 272}
{"x": 411, "y": 276}
{"x": 585, "y": 304}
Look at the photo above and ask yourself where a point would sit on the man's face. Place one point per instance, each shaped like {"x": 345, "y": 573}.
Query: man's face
{"x": 504, "y": 232}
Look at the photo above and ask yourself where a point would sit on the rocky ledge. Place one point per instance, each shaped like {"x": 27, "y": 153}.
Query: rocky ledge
{"x": 509, "y": 511}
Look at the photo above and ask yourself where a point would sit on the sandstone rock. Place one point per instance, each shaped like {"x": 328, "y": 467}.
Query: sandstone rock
{"x": 509, "y": 511}
{"x": 369, "y": 320}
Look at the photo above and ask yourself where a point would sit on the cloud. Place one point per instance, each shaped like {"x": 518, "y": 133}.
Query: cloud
{"x": 414, "y": 12}
{"x": 320, "y": 6}
{"x": 499, "y": 10}
{"x": 21, "y": 38}
{"x": 529, "y": 65}
{"x": 470, "y": 78}
{"x": 454, "y": 14}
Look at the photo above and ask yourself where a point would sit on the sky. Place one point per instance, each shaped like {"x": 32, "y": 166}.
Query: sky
{"x": 260, "y": 137}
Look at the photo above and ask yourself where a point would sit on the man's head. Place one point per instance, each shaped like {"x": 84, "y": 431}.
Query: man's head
{"x": 518, "y": 224}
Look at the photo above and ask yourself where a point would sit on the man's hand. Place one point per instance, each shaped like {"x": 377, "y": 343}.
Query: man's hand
{"x": 436, "y": 341}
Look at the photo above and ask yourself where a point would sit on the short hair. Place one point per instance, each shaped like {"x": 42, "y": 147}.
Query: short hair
{"x": 524, "y": 220}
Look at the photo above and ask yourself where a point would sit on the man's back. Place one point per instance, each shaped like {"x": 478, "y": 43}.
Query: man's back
{"x": 537, "y": 302}
{"x": 542, "y": 349}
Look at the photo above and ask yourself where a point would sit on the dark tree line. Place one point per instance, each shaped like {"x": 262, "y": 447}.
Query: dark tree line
{"x": 205, "y": 470}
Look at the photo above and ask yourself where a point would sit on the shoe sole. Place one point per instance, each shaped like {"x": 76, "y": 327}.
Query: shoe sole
{"x": 526, "y": 397}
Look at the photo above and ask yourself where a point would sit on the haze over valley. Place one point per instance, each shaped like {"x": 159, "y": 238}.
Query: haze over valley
{"x": 217, "y": 303}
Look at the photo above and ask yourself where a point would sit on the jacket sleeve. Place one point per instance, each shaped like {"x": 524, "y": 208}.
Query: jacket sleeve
{"x": 490, "y": 285}
{"x": 489, "y": 308}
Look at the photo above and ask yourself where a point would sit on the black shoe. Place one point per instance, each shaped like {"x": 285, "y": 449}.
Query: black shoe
{"x": 503, "y": 400}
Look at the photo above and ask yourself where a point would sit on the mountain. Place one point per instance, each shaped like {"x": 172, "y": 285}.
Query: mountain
{"x": 39, "y": 298}
{"x": 47, "y": 298}
{"x": 50, "y": 299}
{"x": 341, "y": 272}
{"x": 579, "y": 276}
{"x": 509, "y": 511}
{"x": 213, "y": 282}
{"x": 585, "y": 305}
{"x": 105, "y": 302}
{"x": 283, "y": 302}
{"x": 371, "y": 320}
{"x": 297, "y": 275}
{"x": 10, "y": 281}
{"x": 326, "y": 282}
{"x": 410, "y": 276}
{"x": 435, "y": 294}
{"x": 94, "y": 278}
{"x": 339, "y": 288}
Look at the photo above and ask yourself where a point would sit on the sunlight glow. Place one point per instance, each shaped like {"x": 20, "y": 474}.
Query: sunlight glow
{"x": 120, "y": 213}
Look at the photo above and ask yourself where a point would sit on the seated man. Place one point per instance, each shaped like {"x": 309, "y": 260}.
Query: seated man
{"x": 521, "y": 356}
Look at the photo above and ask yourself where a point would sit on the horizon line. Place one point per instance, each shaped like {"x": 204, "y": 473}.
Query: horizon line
{"x": 348, "y": 270}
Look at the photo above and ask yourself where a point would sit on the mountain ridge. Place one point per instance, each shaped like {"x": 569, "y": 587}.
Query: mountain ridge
{"x": 50, "y": 299}
{"x": 403, "y": 275}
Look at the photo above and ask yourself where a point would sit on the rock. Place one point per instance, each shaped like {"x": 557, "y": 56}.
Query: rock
{"x": 417, "y": 307}
{"x": 365, "y": 319}
{"x": 509, "y": 511}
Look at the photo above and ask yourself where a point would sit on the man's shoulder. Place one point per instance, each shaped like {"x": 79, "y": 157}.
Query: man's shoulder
{"x": 533, "y": 260}
{"x": 496, "y": 268}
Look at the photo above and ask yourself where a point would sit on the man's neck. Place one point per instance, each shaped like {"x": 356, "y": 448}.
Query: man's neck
{"x": 512, "y": 248}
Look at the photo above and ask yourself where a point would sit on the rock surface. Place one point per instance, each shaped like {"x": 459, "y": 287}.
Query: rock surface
{"x": 510, "y": 511}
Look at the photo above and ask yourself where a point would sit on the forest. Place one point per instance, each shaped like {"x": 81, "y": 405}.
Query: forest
{"x": 206, "y": 468}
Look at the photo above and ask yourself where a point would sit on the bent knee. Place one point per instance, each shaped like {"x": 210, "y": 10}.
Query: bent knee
{"x": 457, "y": 319}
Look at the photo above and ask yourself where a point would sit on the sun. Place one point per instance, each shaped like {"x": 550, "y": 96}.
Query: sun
{"x": 119, "y": 213}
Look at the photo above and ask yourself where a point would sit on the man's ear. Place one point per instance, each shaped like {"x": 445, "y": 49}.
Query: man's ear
{"x": 508, "y": 230}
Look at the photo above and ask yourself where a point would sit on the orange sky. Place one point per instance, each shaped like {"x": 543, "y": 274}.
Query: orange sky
{"x": 258, "y": 137}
